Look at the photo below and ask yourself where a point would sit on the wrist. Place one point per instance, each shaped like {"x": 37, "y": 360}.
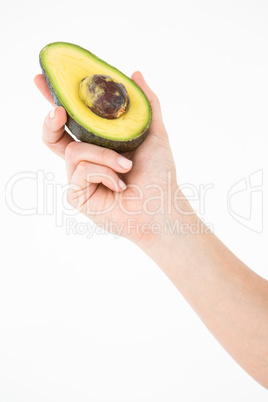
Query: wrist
{"x": 171, "y": 230}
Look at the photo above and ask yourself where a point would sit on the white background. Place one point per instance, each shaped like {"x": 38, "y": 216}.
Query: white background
{"x": 94, "y": 319}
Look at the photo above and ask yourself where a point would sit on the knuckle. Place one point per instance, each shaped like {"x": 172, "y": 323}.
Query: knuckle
{"x": 69, "y": 197}
{"x": 44, "y": 133}
{"x": 108, "y": 171}
{"x": 70, "y": 150}
{"x": 44, "y": 139}
{"x": 82, "y": 167}
{"x": 104, "y": 154}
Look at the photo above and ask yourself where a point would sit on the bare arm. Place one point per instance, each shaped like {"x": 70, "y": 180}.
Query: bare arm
{"x": 229, "y": 298}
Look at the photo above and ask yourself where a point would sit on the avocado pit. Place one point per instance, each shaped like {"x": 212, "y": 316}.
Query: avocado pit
{"x": 104, "y": 96}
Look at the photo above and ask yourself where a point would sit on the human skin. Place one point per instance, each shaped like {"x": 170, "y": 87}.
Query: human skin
{"x": 138, "y": 195}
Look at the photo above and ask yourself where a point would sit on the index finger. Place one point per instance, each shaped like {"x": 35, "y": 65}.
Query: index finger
{"x": 41, "y": 84}
{"x": 54, "y": 134}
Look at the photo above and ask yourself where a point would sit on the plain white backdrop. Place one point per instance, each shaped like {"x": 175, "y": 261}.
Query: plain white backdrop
{"x": 85, "y": 316}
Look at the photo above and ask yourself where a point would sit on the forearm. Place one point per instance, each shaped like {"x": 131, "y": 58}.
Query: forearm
{"x": 231, "y": 299}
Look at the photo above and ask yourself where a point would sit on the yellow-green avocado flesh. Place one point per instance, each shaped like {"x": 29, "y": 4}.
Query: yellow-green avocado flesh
{"x": 64, "y": 65}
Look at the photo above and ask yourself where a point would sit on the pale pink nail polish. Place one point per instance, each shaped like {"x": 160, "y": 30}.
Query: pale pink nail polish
{"x": 124, "y": 162}
{"x": 52, "y": 113}
{"x": 122, "y": 184}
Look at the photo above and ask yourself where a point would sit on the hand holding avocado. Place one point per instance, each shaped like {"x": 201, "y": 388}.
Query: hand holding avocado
{"x": 137, "y": 193}
{"x": 98, "y": 175}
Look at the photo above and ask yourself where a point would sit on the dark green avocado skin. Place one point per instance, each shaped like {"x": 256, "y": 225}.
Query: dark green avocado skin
{"x": 86, "y": 136}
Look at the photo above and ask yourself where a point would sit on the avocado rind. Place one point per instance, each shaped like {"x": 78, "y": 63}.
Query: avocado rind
{"x": 84, "y": 135}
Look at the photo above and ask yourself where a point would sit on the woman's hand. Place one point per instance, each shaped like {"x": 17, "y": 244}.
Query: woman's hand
{"x": 128, "y": 193}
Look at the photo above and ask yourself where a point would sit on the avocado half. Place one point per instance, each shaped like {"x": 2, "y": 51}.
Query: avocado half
{"x": 64, "y": 66}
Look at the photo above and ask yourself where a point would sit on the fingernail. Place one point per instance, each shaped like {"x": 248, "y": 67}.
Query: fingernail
{"x": 122, "y": 184}
{"x": 124, "y": 162}
{"x": 52, "y": 113}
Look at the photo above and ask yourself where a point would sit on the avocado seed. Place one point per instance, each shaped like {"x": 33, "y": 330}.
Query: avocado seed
{"x": 104, "y": 96}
